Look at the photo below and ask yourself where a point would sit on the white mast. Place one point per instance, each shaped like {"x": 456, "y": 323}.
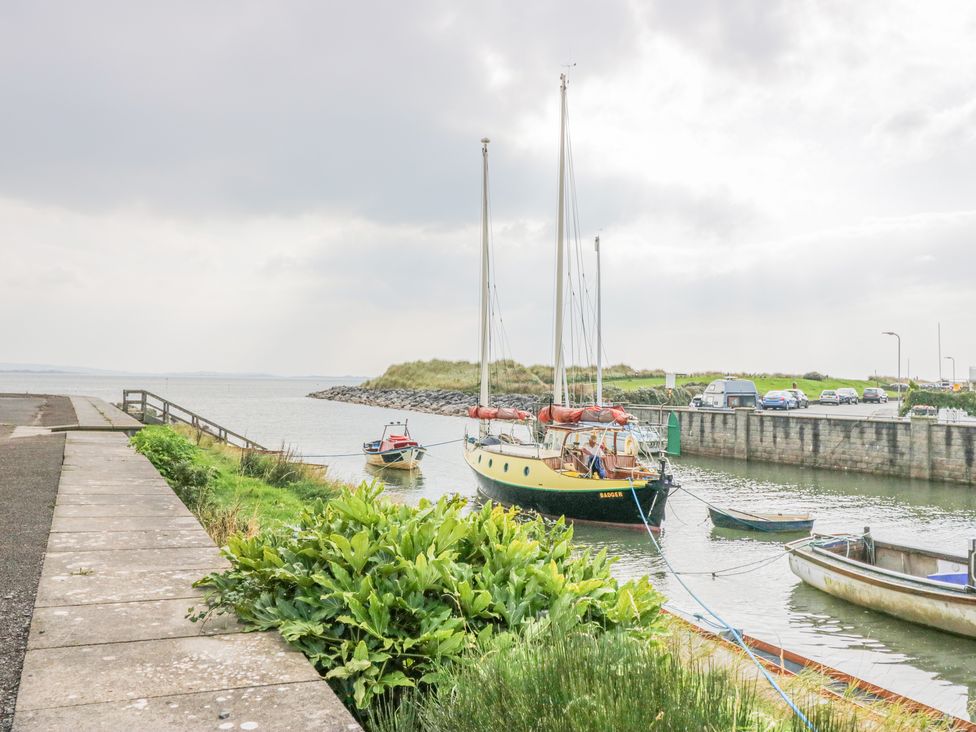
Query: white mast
{"x": 559, "y": 372}
{"x": 599, "y": 331}
{"x": 485, "y": 355}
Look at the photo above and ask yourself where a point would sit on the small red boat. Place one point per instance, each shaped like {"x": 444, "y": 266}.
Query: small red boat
{"x": 394, "y": 450}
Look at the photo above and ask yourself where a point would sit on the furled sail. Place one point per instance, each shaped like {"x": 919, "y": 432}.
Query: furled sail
{"x": 572, "y": 415}
{"x": 498, "y": 413}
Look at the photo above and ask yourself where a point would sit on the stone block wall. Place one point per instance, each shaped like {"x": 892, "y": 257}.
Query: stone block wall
{"x": 921, "y": 448}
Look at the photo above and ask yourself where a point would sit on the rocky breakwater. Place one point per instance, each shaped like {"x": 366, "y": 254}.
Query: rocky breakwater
{"x": 431, "y": 401}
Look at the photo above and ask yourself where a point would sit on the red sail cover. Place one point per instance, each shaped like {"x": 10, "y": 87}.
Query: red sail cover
{"x": 572, "y": 415}
{"x": 498, "y": 413}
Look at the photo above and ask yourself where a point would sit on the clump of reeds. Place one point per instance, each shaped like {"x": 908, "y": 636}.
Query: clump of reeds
{"x": 222, "y": 522}
{"x": 280, "y": 468}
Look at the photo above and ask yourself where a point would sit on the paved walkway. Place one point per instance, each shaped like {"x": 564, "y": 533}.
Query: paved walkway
{"x": 109, "y": 645}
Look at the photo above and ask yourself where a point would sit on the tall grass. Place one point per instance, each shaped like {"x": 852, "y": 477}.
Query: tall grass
{"x": 582, "y": 682}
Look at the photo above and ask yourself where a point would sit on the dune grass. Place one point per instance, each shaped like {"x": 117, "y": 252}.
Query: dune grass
{"x": 512, "y": 377}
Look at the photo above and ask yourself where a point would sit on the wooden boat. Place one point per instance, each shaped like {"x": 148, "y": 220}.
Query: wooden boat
{"x": 729, "y": 518}
{"x": 398, "y": 451}
{"x": 553, "y": 479}
{"x": 918, "y": 585}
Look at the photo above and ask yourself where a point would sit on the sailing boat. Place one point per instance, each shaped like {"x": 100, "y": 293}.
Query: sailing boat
{"x": 555, "y": 477}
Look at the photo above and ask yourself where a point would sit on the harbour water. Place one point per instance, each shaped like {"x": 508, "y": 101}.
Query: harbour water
{"x": 767, "y": 602}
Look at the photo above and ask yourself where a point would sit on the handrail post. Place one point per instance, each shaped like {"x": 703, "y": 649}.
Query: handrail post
{"x": 143, "y": 407}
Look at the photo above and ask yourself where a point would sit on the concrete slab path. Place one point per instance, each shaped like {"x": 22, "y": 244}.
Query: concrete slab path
{"x": 110, "y": 646}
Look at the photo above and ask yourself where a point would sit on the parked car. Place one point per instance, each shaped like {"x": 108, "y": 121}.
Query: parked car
{"x": 847, "y": 395}
{"x": 696, "y": 401}
{"x": 801, "y": 399}
{"x": 829, "y": 396}
{"x": 874, "y": 394}
{"x": 779, "y": 399}
{"x": 729, "y": 394}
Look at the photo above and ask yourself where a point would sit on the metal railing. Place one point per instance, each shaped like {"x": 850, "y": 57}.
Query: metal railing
{"x": 150, "y": 408}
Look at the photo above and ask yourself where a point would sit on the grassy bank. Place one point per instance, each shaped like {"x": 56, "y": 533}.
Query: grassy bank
{"x": 506, "y": 376}
{"x": 512, "y": 377}
{"x": 229, "y": 489}
{"x": 764, "y": 382}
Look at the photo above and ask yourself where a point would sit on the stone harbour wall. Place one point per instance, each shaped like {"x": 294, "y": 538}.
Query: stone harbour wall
{"x": 920, "y": 448}
{"x": 431, "y": 401}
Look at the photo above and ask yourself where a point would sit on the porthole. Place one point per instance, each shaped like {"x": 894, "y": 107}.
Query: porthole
{"x": 479, "y": 458}
{"x": 525, "y": 471}
{"x": 505, "y": 468}
{"x": 490, "y": 461}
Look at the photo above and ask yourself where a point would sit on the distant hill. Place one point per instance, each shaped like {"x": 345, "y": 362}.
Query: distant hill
{"x": 506, "y": 376}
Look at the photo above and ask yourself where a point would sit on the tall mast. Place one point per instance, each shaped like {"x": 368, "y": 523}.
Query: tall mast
{"x": 559, "y": 373}
{"x": 483, "y": 397}
{"x": 599, "y": 331}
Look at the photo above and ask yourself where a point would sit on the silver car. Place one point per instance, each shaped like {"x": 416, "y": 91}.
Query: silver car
{"x": 829, "y": 396}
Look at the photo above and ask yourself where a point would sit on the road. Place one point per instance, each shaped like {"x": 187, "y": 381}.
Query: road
{"x": 889, "y": 410}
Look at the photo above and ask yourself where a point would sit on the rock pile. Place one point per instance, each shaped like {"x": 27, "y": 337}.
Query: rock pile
{"x": 432, "y": 401}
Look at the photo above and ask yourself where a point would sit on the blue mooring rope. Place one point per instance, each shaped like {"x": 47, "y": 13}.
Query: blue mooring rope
{"x": 720, "y": 619}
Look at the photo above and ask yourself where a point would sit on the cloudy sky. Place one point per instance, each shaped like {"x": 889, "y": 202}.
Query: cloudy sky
{"x": 295, "y": 187}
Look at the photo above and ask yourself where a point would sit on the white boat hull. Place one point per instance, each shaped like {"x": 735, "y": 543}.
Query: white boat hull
{"x": 407, "y": 458}
{"x": 954, "y": 613}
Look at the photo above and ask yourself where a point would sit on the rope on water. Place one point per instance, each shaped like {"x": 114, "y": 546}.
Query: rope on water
{"x": 360, "y": 453}
{"x": 734, "y": 633}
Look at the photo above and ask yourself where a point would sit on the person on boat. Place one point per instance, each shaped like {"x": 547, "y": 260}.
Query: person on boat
{"x": 594, "y": 458}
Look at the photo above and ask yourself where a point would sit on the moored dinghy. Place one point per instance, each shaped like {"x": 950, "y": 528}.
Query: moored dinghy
{"x": 918, "y": 585}
{"x": 399, "y": 451}
{"x": 729, "y": 518}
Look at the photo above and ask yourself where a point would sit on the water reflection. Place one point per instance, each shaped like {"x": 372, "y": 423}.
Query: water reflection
{"x": 914, "y": 661}
{"x": 393, "y": 477}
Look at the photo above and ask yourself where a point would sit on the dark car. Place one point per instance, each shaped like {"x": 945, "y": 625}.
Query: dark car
{"x": 847, "y": 395}
{"x": 801, "y": 399}
{"x": 696, "y": 401}
{"x": 874, "y": 394}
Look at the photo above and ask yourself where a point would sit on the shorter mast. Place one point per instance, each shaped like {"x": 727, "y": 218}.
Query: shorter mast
{"x": 599, "y": 330}
{"x": 485, "y": 355}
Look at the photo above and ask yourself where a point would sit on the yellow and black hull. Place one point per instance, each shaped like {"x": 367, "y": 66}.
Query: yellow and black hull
{"x": 531, "y": 484}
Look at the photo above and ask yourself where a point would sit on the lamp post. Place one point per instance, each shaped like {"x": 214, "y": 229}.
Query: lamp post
{"x": 892, "y": 333}
{"x": 950, "y": 358}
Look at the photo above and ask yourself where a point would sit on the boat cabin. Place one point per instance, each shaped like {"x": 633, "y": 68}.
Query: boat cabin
{"x": 564, "y": 445}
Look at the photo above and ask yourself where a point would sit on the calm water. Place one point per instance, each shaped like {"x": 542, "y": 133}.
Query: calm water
{"x": 769, "y": 603}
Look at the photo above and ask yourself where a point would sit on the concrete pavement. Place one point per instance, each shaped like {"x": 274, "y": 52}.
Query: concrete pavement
{"x": 109, "y": 645}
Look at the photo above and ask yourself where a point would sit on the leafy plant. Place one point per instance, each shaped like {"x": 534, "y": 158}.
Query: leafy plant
{"x": 177, "y": 460}
{"x": 166, "y": 450}
{"x": 381, "y": 596}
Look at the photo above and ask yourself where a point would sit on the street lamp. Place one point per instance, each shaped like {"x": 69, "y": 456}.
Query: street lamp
{"x": 892, "y": 333}
{"x": 950, "y": 358}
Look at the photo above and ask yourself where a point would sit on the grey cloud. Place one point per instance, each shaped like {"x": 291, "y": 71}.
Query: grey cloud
{"x": 749, "y": 35}
{"x": 245, "y": 107}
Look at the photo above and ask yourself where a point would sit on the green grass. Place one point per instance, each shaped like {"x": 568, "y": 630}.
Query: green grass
{"x": 763, "y": 383}
{"x": 506, "y": 376}
{"x": 270, "y": 504}
{"x": 582, "y": 682}
{"x": 512, "y": 377}
{"x": 227, "y": 487}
